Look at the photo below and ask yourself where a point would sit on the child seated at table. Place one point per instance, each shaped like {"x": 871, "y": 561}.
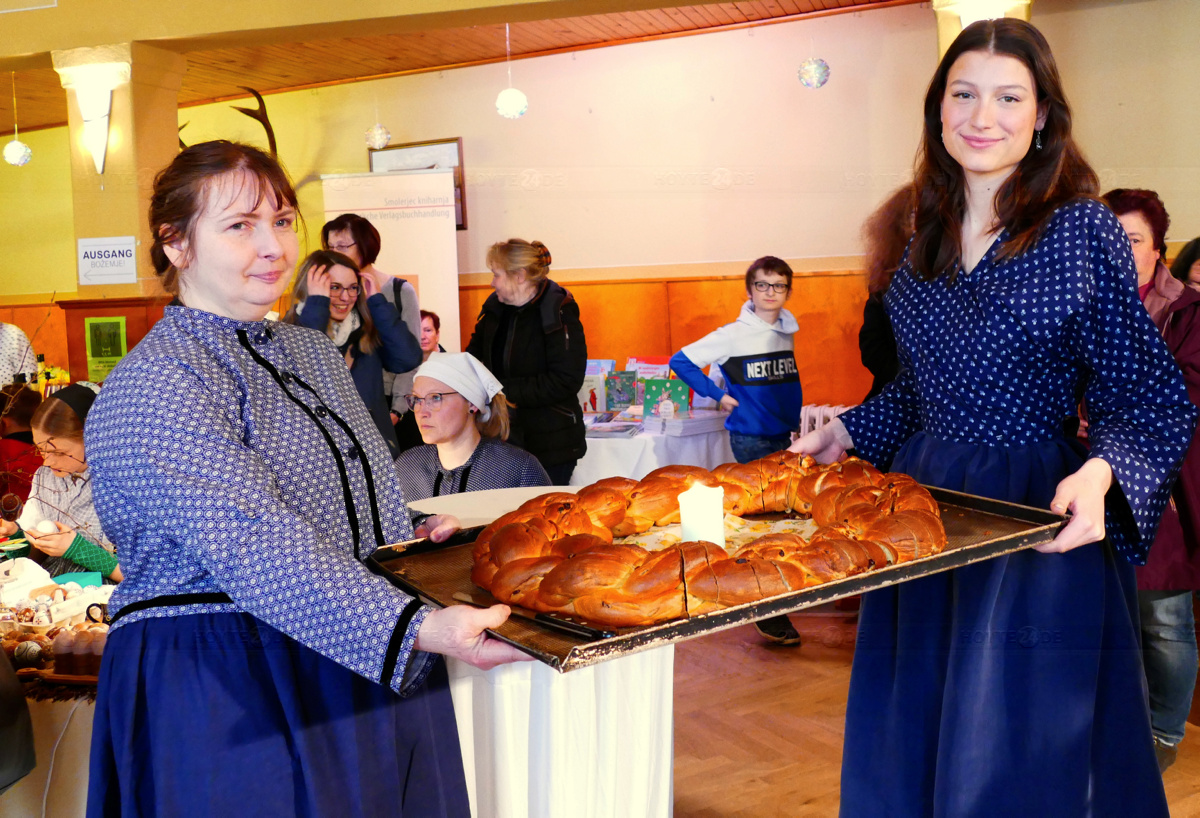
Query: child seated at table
{"x": 756, "y": 356}
{"x": 463, "y": 419}
{"x": 59, "y": 520}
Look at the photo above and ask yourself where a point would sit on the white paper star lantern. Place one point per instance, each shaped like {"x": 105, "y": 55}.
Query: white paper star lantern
{"x": 378, "y": 136}
{"x": 511, "y": 104}
{"x": 17, "y": 153}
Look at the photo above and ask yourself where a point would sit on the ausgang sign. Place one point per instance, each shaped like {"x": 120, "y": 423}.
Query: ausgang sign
{"x": 108, "y": 261}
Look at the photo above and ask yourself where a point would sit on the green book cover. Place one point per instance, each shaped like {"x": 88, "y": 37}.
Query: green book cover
{"x": 660, "y": 391}
{"x": 620, "y": 389}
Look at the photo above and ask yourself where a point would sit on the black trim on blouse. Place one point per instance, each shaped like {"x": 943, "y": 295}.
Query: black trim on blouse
{"x": 392, "y": 654}
{"x": 283, "y": 379}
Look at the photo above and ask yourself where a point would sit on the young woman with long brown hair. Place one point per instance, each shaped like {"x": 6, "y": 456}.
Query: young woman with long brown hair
{"x": 1013, "y": 686}
{"x": 333, "y": 296}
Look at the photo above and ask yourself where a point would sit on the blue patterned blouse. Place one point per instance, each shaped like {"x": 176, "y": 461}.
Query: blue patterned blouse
{"x": 996, "y": 359}
{"x": 238, "y": 457}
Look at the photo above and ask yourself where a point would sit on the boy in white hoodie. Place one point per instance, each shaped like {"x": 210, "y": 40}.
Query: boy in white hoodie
{"x": 756, "y": 354}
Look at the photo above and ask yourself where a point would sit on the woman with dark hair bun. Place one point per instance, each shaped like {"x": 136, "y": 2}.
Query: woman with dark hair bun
{"x": 1172, "y": 571}
{"x": 1013, "y": 686}
{"x": 255, "y": 664}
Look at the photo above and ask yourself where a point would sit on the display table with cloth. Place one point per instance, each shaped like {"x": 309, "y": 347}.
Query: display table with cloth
{"x": 535, "y": 742}
{"x": 641, "y": 454}
{"x": 62, "y": 740}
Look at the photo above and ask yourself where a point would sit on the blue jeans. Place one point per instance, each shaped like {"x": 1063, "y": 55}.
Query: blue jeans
{"x": 1169, "y": 654}
{"x": 752, "y": 447}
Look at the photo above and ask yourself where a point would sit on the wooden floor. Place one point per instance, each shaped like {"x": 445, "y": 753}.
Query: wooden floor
{"x": 758, "y": 729}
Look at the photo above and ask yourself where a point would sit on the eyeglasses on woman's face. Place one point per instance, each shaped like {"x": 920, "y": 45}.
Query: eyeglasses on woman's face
{"x": 777, "y": 286}
{"x": 335, "y": 290}
{"x": 342, "y": 248}
{"x": 433, "y": 400}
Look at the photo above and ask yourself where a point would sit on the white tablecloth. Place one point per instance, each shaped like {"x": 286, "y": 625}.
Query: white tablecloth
{"x": 638, "y": 456}
{"x": 593, "y": 743}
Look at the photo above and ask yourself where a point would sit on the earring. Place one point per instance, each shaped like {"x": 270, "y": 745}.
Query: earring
{"x": 1037, "y": 140}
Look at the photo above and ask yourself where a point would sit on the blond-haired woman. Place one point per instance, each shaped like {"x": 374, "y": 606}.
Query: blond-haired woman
{"x": 463, "y": 418}
{"x": 528, "y": 333}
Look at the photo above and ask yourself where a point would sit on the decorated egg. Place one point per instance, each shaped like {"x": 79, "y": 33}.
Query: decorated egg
{"x": 27, "y": 654}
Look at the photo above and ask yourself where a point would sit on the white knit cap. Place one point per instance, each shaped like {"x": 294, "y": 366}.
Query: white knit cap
{"x": 463, "y": 373}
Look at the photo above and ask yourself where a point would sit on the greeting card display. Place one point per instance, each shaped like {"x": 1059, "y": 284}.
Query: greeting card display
{"x": 648, "y": 366}
{"x": 620, "y": 388}
{"x": 667, "y": 397}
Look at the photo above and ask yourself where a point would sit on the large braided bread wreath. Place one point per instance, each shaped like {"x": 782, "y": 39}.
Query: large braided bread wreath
{"x": 556, "y": 552}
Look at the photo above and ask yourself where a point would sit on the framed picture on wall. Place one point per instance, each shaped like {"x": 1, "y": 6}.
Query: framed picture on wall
{"x": 432, "y": 154}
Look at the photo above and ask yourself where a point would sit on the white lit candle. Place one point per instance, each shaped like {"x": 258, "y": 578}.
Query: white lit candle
{"x": 702, "y": 514}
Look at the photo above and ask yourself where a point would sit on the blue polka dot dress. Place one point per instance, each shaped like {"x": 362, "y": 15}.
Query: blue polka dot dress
{"x": 1015, "y": 687}
{"x": 257, "y": 665}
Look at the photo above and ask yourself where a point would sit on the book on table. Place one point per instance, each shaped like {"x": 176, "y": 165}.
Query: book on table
{"x": 666, "y": 397}
{"x": 648, "y": 366}
{"x": 614, "y": 428}
{"x": 592, "y": 396}
{"x": 693, "y": 422}
{"x": 620, "y": 389}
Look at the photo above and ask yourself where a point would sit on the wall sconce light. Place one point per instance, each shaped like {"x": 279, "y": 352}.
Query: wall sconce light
{"x": 93, "y": 85}
{"x": 955, "y": 15}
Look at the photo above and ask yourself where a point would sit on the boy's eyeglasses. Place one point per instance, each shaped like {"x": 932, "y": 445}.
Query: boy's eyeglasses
{"x": 337, "y": 289}
{"x": 763, "y": 286}
{"x": 432, "y": 400}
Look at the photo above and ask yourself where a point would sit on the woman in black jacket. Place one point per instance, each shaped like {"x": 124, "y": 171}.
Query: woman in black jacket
{"x": 528, "y": 333}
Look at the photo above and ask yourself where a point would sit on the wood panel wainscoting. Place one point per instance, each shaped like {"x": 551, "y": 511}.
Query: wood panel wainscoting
{"x": 46, "y": 327}
{"x": 624, "y": 317}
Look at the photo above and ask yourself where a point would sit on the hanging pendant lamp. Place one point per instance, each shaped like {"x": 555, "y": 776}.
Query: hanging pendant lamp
{"x": 16, "y": 152}
{"x": 510, "y": 103}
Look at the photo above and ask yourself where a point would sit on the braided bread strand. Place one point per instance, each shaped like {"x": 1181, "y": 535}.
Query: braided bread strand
{"x": 556, "y": 552}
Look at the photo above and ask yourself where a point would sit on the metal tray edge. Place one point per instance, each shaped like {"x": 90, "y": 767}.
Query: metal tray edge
{"x": 653, "y": 636}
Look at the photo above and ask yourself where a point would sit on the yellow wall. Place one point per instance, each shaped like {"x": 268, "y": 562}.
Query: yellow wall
{"x": 37, "y": 245}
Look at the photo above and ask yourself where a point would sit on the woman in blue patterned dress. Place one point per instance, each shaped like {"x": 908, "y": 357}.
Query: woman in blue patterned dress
{"x": 1013, "y": 687}
{"x": 255, "y": 665}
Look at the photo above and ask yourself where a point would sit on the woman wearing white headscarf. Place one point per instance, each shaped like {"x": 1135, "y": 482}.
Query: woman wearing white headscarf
{"x": 463, "y": 418}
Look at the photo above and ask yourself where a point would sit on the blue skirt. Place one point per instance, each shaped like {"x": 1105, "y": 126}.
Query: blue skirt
{"x": 1013, "y": 687}
{"x": 220, "y": 714}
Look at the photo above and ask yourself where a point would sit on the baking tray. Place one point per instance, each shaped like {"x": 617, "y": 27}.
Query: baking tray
{"x": 977, "y": 529}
